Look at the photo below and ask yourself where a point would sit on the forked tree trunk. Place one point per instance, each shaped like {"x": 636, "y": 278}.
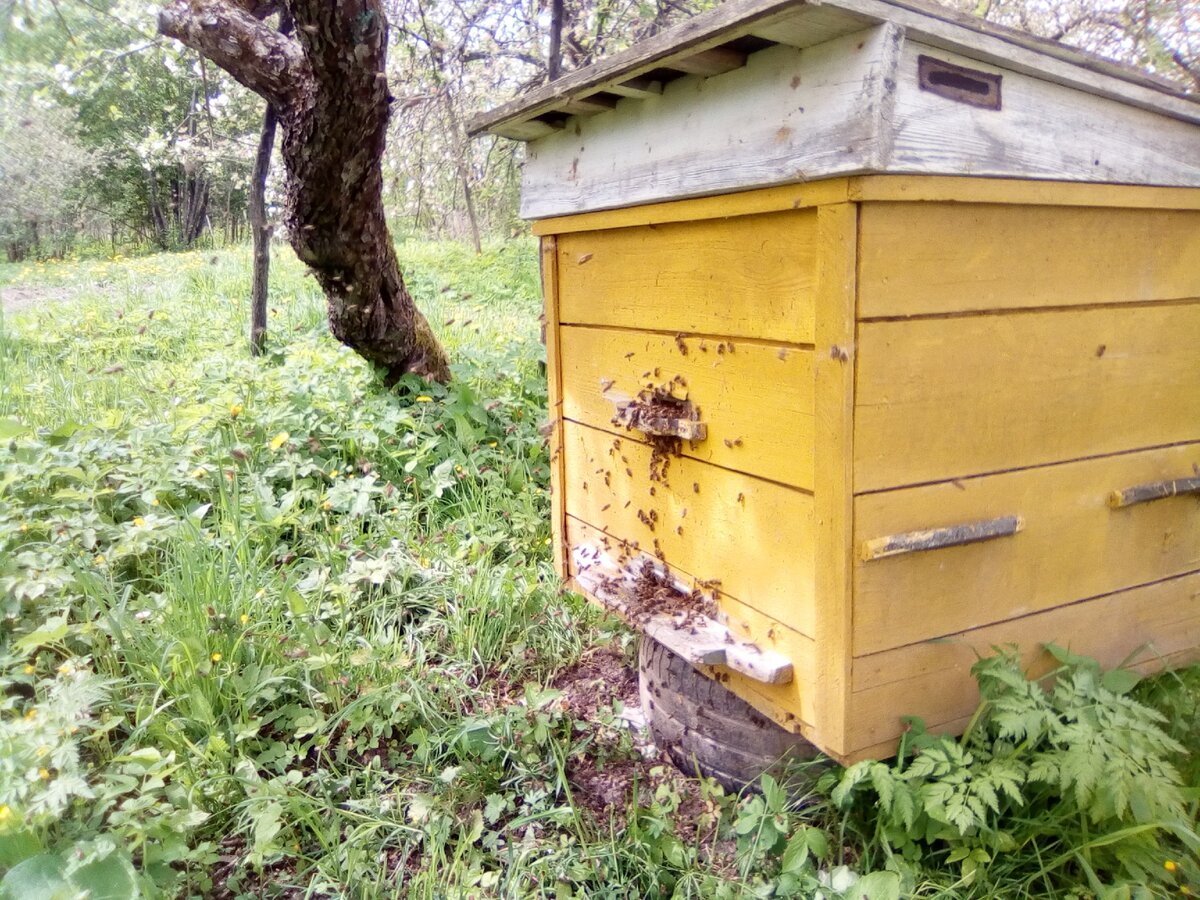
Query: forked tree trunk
{"x": 328, "y": 85}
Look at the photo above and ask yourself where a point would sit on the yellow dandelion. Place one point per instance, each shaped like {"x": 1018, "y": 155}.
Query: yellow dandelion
{"x": 154, "y": 501}
{"x": 24, "y": 527}
{"x": 98, "y": 559}
{"x": 333, "y": 473}
{"x": 44, "y": 774}
{"x": 216, "y": 657}
{"x": 138, "y": 521}
{"x": 492, "y": 444}
{"x": 235, "y": 410}
{"x": 5, "y": 813}
{"x": 199, "y": 472}
{"x": 424, "y": 399}
{"x": 279, "y": 440}
{"x": 29, "y": 670}
{"x": 66, "y": 669}
{"x": 326, "y": 505}
{"x": 1170, "y": 865}
{"x": 243, "y": 618}
{"x": 31, "y": 713}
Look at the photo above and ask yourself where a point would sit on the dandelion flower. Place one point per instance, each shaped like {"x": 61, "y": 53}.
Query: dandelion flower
{"x": 199, "y": 472}
{"x": 333, "y": 473}
{"x": 24, "y": 527}
{"x": 243, "y": 618}
{"x": 154, "y": 501}
{"x": 216, "y": 657}
{"x": 29, "y": 670}
{"x": 31, "y": 713}
{"x": 98, "y": 559}
{"x": 279, "y": 440}
{"x": 5, "y": 813}
{"x": 424, "y": 399}
{"x": 1170, "y": 865}
{"x": 235, "y": 410}
{"x": 138, "y": 522}
{"x": 44, "y": 774}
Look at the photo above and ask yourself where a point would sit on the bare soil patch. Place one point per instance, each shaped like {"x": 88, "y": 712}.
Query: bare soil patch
{"x": 18, "y": 298}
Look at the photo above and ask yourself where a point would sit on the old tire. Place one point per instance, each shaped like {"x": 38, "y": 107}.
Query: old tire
{"x": 704, "y": 726}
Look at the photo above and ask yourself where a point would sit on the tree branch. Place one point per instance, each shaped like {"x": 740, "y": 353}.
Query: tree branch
{"x": 260, "y": 58}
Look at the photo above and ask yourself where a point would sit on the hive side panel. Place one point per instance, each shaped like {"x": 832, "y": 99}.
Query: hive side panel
{"x": 751, "y": 277}
{"x": 1147, "y": 628}
{"x": 548, "y": 260}
{"x": 1021, "y": 368}
{"x": 963, "y": 257}
{"x": 835, "y": 358}
{"x": 754, "y": 399}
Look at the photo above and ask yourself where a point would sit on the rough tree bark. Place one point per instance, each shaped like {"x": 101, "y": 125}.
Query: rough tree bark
{"x": 261, "y": 233}
{"x": 328, "y": 86}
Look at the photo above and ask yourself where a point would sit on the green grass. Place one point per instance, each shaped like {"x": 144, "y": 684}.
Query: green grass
{"x": 269, "y": 629}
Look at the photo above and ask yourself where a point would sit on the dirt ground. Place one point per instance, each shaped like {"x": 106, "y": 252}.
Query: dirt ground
{"x": 18, "y": 298}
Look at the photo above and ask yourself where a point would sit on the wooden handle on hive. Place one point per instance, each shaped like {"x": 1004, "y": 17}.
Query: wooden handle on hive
{"x": 937, "y": 538}
{"x": 641, "y": 418}
{"x": 1157, "y": 490}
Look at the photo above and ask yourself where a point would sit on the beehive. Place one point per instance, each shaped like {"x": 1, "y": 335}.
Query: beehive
{"x": 878, "y": 328}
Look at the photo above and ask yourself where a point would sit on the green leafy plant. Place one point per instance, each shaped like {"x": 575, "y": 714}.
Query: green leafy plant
{"x": 1078, "y": 778}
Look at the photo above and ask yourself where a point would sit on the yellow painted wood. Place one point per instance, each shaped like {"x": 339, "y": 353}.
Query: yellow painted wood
{"x": 1159, "y": 625}
{"x": 835, "y": 357}
{"x": 956, "y": 189}
{"x": 1074, "y": 545}
{"x": 791, "y": 705}
{"x": 549, "y": 268}
{"x": 755, "y": 537}
{"x": 755, "y": 400}
{"x": 946, "y": 398}
{"x": 749, "y": 277}
{"x": 743, "y": 203}
{"x": 889, "y": 188}
{"x": 934, "y": 258}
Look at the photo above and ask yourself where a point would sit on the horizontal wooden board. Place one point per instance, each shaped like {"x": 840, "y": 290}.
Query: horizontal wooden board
{"x": 1040, "y": 130}
{"x": 937, "y": 258}
{"x": 1013, "y": 191}
{"x": 791, "y": 704}
{"x": 1073, "y": 545}
{"x": 787, "y": 116}
{"x": 753, "y": 536}
{"x": 746, "y": 277}
{"x": 1157, "y": 625}
{"x": 946, "y": 398}
{"x": 755, "y": 400}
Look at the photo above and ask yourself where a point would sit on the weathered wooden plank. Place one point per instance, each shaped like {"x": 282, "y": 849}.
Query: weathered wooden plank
{"x": 786, "y": 116}
{"x": 1155, "y": 490}
{"x": 706, "y": 63}
{"x": 755, "y": 400}
{"x": 548, "y": 260}
{"x": 924, "y": 259}
{"x": 1013, "y": 191}
{"x": 725, "y": 206}
{"x": 639, "y": 88}
{"x": 1041, "y": 130}
{"x": 835, "y": 355}
{"x": 977, "y": 394}
{"x": 754, "y": 537}
{"x": 1157, "y": 625}
{"x": 751, "y": 277}
{"x": 803, "y": 25}
{"x": 1073, "y": 546}
{"x": 940, "y": 538}
{"x": 790, "y": 704}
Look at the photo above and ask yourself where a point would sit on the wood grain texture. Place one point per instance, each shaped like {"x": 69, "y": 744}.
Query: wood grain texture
{"x": 791, "y": 704}
{"x": 1043, "y": 130}
{"x": 835, "y": 358}
{"x": 1157, "y": 625}
{"x": 947, "y": 398}
{"x": 549, "y": 270}
{"x": 927, "y": 259}
{"x": 1014, "y": 191}
{"x": 787, "y": 116}
{"x": 755, "y": 400}
{"x": 1073, "y": 546}
{"x": 747, "y": 277}
{"x": 754, "y": 537}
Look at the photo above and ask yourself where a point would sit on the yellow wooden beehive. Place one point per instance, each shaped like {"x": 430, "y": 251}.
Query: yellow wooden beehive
{"x": 909, "y": 306}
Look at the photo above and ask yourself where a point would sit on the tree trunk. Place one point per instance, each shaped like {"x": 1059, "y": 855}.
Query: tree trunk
{"x": 329, "y": 89}
{"x": 554, "y": 58}
{"x": 261, "y": 232}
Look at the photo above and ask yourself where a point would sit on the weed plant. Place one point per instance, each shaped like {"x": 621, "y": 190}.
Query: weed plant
{"x": 270, "y": 629}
